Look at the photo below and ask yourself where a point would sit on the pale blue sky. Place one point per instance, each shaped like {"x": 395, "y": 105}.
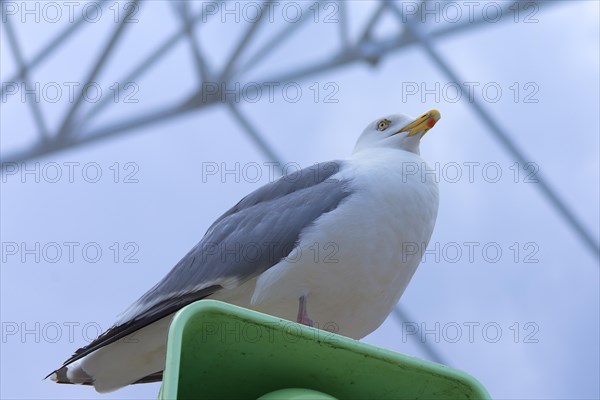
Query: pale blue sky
{"x": 555, "y": 299}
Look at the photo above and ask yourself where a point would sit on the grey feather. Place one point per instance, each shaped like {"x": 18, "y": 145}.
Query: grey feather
{"x": 251, "y": 237}
{"x": 255, "y": 234}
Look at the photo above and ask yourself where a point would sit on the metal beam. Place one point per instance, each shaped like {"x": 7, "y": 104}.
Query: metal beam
{"x": 503, "y": 138}
{"x": 49, "y": 48}
{"x": 256, "y": 137}
{"x": 183, "y": 11}
{"x": 237, "y": 52}
{"x": 364, "y": 50}
{"x": 65, "y": 125}
{"x": 276, "y": 41}
{"x": 35, "y": 109}
{"x": 144, "y": 66}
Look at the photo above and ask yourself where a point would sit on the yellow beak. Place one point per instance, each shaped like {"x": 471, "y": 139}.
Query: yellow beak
{"x": 422, "y": 124}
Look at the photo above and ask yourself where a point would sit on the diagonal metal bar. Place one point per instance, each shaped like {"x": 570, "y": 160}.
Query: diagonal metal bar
{"x": 256, "y": 137}
{"x": 226, "y": 73}
{"x": 505, "y": 140}
{"x": 49, "y": 48}
{"x": 154, "y": 116}
{"x": 183, "y": 11}
{"x": 343, "y": 24}
{"x": 431, "y": 353}
{"x": 65, "y": 127}
{"x": 276, "y": 41}
{"x": 366, "y": 51}
{"x": 162, "y": 50}
{"x": 195, "y": 102}
{"x": 35, "y": 109}
{"x": 366, "y": 33}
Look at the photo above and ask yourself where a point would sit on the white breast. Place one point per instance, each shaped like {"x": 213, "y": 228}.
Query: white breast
{"x": 353, "y": 265}
{"x": 355, "y": 262}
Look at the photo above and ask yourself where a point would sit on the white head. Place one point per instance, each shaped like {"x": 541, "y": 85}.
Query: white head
{"x": 397, "y": 131}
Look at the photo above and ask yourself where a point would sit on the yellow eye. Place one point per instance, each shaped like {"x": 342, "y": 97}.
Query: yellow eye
{"x": 383, "y": 124}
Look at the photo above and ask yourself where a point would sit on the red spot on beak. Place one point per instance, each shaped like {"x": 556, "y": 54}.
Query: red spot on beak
{"x": 431, "y": 122}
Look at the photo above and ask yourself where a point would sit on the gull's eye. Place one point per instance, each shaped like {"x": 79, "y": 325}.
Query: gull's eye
{"x": 383, "y": 124}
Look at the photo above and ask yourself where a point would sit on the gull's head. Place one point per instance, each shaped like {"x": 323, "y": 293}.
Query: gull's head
{"x": 397, "y": 131}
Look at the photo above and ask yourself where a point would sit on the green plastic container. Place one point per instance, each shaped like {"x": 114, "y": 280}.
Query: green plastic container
{"x": 219, "y": 351}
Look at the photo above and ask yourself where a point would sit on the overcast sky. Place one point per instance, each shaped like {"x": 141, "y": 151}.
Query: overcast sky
{"x": 501, "y": 259}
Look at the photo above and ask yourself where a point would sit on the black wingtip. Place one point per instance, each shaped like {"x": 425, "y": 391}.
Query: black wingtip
{"x": 59, "y": 376}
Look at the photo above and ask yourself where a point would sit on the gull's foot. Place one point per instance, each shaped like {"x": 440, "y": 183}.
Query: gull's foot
{"x": 306, "y": 321}
{"x": 303, "y": 314}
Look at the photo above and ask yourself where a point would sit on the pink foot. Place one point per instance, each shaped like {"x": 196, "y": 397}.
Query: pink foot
{"x": 303, "y": 314}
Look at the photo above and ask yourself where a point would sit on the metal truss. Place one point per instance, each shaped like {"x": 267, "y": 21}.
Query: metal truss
{"x": 74, "y": 128}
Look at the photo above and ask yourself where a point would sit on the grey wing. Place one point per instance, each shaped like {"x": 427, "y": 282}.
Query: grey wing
{"x": 251, "y": 237}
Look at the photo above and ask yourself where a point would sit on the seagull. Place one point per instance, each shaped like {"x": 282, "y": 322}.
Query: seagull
{"x": 332, "y": 245}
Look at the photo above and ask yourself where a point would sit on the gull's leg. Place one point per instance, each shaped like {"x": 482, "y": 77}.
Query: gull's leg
{"x": 302, "y": 313}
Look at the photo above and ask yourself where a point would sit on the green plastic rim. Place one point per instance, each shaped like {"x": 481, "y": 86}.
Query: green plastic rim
{"x": 218, "y": 350}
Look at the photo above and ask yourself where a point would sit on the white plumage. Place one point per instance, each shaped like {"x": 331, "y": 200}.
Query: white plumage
{"x": 357, "y": 286}
{"x": 348, "y": 257}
